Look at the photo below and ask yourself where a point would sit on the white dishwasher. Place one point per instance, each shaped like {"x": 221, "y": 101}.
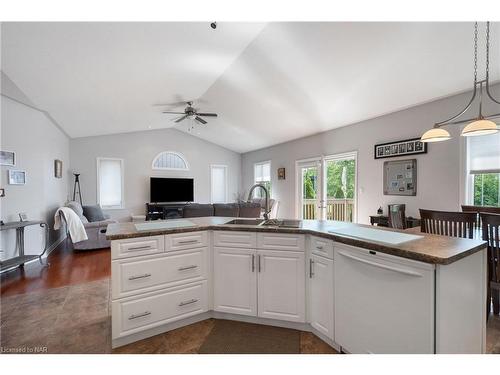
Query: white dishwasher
{"x": 383, "y": 303}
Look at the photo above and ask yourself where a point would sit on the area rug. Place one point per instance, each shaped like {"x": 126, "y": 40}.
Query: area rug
{"x": 230, "y": 337}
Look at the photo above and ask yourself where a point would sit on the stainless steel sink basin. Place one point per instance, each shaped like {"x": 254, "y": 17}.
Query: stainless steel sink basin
{"x": 246, "y": 222}
{"x": 282, "y": 223}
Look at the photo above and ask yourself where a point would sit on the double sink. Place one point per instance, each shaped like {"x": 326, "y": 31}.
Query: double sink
{"x": 267, "y": 223}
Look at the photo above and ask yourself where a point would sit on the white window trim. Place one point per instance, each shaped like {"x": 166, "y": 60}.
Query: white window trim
{"x": 270, "y": 170}
{"x": 170, "y": 169}
{"x": 122, "y": 204}
{"x": 227, "y": 182}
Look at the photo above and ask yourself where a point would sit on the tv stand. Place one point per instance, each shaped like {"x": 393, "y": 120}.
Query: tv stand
{"x": 162, "y": 211}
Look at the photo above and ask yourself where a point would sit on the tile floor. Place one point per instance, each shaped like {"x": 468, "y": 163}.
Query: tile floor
{"x": 76, "y": 319}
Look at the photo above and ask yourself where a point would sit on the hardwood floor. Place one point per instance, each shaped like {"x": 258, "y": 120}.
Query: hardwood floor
{"x": 67, "y": 267}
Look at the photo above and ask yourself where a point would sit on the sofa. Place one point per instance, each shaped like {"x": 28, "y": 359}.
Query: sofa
{"x": 96, "y": 229}
{"x": 242, "y": 209}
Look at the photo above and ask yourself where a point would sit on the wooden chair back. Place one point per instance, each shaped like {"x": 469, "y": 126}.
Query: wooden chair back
{"x": 491, "y": 234}
{"x": 445, "y": 223}
{"x": 396, "y": 216}
{"x": 478, "y": 209}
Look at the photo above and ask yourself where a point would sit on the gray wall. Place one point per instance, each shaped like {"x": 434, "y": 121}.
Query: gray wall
{"x": 439, "y": 171}
{"x": 37, "y": 142}
{"x": 138, "y": 150}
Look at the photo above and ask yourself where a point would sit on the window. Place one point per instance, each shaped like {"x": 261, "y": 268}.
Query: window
{"x": 484, "y": 170}
{"x": 262, "y": 175}
{"x": 110, "y": 182}
{"x": 170, "y": 160}
{"x": 218, "y": 181}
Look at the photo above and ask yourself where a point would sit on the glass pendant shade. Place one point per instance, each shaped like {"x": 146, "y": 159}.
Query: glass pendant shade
{"x": 480, "y": 127}
{"x": 435, "y": 135}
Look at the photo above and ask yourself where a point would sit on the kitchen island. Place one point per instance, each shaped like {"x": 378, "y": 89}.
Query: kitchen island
{"x": 359, "y": 288}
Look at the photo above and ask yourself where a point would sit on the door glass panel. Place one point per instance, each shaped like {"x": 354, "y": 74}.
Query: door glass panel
{"x": 340, "y": 189}
{"x": 310, "y": 186}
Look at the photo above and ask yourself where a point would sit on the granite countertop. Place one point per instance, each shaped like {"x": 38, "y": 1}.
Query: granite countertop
{"x": 426, "y": 248}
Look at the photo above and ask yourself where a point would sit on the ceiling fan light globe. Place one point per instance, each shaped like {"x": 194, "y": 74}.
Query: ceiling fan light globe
{"x": 435, "y": 135}
{"x": 480, "y": 127}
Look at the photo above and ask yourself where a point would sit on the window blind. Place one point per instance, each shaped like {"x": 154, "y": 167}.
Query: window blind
{"x": 219, "y": 184}
{"x": 110, "y": 182}
{"x": 484, "y": 154}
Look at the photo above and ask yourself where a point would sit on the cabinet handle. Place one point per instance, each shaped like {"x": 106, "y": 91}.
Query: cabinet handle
{"x": 258, "y": 259}
{"x": 140, "y": 247}
{"x": 188, "y": 302}
{"x": 187, "y": 268}
{"x": 311, "y": 273}
{"x": 319, "y": 247}
{"x": 253, "y": 262}
{"x": 187, "y": 242}
{"x": 386, "y": 267}
{"x": 145, "y": 313}
{"x": 139, "y": 276}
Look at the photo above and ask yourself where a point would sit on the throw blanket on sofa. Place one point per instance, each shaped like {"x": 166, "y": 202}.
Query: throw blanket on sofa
{"x": 75, "y": 226}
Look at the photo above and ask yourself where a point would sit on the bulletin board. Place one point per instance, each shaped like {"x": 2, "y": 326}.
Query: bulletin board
{"x": 400, "y": 177}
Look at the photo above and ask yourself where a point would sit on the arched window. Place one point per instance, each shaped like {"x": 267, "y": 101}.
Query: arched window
{"x": 170, "y": 160}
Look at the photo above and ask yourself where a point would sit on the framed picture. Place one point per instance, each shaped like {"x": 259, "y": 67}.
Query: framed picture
{"x": 281, "y": 173}
{"x": 7, "y": 158}
{"x": 400, "y": 177}
{"x": 400, "y": 148}
{"x": 17, "y": 177}
{"x": 58, "y": 165}
{"x": 2, "y": 192}
{"x": 23, "y": 216}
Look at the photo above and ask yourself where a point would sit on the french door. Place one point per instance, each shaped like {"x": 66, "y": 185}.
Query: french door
{"x": 326, "y": 187}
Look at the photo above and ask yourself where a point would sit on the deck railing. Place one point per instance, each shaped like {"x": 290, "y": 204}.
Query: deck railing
{"x": 336, "y": 209}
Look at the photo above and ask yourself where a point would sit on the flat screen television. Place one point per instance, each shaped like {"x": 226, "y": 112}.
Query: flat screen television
{"x": 165, "y": 190}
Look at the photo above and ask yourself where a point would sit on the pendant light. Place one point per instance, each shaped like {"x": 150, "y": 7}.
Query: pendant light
{"x": 480, "y": 125}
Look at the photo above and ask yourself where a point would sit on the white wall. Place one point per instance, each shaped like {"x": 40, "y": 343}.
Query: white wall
{"x": 138, "y": 150}
{"x": 439, "y": 179}
{"x": 37, "y": 142}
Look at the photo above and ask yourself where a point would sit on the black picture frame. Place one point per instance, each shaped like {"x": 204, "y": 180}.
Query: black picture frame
{"x": 404, "y": 147}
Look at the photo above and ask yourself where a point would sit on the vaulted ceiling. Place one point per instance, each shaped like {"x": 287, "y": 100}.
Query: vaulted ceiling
{"x": 269, "y": 83}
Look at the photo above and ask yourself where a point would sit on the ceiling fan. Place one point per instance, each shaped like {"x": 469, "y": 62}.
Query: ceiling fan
{"x": 190, "y": 112}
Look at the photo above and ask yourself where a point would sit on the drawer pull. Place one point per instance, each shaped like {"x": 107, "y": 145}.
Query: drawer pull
{"x": 311, "y": 271}
{"x": 188, "y": 302}
{"x": 140, "y": 247}
{"x": 319, "y": 247}
{"x": 139, "y": 276}
{"x": 187, "y": 242}
{"x": 145, "y": 313}
{"x": 187, "y": 268}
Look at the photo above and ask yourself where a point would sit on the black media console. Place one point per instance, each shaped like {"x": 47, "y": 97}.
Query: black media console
{"x": 162, "y": 211}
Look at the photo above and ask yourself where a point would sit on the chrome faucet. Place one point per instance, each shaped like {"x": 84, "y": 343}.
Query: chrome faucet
{"x": 266, "y": 208}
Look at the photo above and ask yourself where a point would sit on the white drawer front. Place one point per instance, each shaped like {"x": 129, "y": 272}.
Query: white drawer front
{"x": 322, "y": 246}
{"x": 247, "y": 240}
{"x": 141, "y": 313}
{"x": 281, "y": 241}
{"x": 145, "y": 274}
{"x": 181, "y": 241}
{"x": 137, "y": 246}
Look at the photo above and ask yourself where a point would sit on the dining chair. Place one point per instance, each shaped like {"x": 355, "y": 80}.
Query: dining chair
{"x": 396, "y": 217}
{"x": 478, "y": 209}
{"x": 491, "y": 229}
{"x": 446, "y": 223}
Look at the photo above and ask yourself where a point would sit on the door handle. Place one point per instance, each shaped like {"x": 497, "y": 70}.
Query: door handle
{"x": 258, "y": 260}
{"x": 145, "y": 313}
{"x": 384, "y": 266}
{"x": 253, "y": 262}
{"x": 187, "y": 268}
{"x": 311, "y": 273}
{"x": 139, "y": 276}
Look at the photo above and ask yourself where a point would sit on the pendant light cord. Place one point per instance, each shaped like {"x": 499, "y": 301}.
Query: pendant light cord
{"x": 475, "y": 54}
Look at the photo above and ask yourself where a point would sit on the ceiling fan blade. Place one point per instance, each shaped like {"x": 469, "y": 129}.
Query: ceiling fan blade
{"x": 199, "y": 119}
{"x": 181, "y": 118}
{"x": 207, "y": 114}
{"x": 174, "y": 113}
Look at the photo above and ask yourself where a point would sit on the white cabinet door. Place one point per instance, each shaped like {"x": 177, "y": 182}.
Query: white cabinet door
{"x": 383, "y": 304}
{"x": 321, "y": 314}
{"x": 235, "y": 281}
{"x": 281, "y": 280}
